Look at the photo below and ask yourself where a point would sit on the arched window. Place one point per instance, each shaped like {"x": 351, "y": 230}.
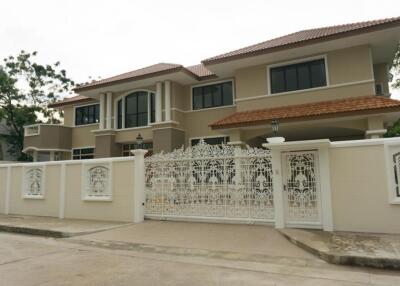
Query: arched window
{"x": 136, "y": 109}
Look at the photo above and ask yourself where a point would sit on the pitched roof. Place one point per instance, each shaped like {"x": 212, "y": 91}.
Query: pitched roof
{"x": 153, "y": 70}
{"x": 339, "y": 107}
{"x": 70, "y": 100}
{"x": 305, "y": 37}
{"x": 201, "y": 71}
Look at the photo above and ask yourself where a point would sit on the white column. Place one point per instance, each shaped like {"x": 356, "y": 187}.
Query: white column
{"x": 277, "y": 188}
{"x": 102, "y": 105}
{"x": 8, "y": 191}
{"x": 139, "y": 195}
{"x": 326, "y": 195}
{"x": 167, "y": 86}
{"x": 109, "y": 109}
{"x": 61, "y": 202}
{"x": 52, "y": 155}
{"x": 35, "y": 155}
{"x": 159, "y": 101}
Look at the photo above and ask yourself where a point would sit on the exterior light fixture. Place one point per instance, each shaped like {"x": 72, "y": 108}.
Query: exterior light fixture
{"x": 275, "y": 126}
{"x": 139, "y": 141}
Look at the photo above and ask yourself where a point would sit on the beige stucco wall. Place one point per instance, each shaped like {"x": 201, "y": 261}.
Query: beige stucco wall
{"x": 345, "y": 66}
{"x": 68, "y": 115}
{"x": 119, "y": 209}
{"x": 83, "y": 137}
{"x": 196, "y": 123}
{"x": 40, "y": 207}
{"x": 360, "y": 89}
{"x": 360, "y": 192}
{"x": 3, "y": 183}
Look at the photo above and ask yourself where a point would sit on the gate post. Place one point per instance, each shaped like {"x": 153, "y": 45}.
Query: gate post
{"x": 277, "y": 188}
{"x": 139, "y": 186}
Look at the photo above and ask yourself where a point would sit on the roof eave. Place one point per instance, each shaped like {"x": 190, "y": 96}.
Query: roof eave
{"x": 216, "y": 126}
{"x": 145, "y": 76}
{"x": 345, "y": 34}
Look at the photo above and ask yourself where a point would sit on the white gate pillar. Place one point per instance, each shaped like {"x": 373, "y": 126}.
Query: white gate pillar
{"x": 277, "y": 188}
{"x": 139, "y": 185}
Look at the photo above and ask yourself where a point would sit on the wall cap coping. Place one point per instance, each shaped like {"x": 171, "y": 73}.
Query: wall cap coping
{"x": 298, "y": 145}
{"x": 376, "y": 132}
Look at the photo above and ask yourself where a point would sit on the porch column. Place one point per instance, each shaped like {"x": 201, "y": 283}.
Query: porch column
{"x": 109, "y": 109}
{"x": 102, "y": 105}
{"x": 376, "y": 127}
{"x": 159, "y": 102}
{"x": 167, "y": 86}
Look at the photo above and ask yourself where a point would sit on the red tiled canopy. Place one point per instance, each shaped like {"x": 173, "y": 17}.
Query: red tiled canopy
{"x": 332, "y": 108}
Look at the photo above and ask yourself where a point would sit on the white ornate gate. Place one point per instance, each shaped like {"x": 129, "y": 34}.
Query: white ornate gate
{"x": 210, "y": 182}
{"x": 301, "y": 187}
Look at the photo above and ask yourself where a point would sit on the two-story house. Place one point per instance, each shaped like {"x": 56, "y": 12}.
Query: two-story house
{"x": 330, "y": 82}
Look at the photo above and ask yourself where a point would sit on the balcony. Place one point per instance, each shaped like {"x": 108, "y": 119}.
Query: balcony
{"x": 47, "y": 137}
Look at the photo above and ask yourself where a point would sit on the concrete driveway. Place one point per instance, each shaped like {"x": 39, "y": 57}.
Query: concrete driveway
{"x": 172, "y": 253}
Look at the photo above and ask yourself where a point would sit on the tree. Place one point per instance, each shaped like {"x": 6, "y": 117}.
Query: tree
{"x": 26, "y": 88}
{"x": 396, "y": 68}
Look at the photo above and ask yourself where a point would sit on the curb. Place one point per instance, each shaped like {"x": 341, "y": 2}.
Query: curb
{"x": 35, "y": 231}
{"x": 342, "y": 259}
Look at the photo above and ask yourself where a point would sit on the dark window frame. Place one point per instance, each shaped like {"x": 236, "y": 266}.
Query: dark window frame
{"x": 83, "y": 153}
{"x": 207, "y": 92}
{"x": 122, "y": 106}
{"x": 195, "y": 141}
{"x": 92, "y": 114}
{"x": 284, "y": 69}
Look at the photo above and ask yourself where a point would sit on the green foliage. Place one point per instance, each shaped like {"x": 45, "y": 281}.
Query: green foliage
{"x": 394, "y": 130}
{"x": 26, "y": 88}
{"x": 396, "y": 68}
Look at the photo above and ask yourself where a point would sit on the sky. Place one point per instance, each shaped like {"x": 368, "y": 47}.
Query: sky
{"x": 103, "y": 38}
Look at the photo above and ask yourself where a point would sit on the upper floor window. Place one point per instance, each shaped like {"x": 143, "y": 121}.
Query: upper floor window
{"x": 136, "y": 109}
{"x": 298, "y": 76}
{"x": 87, "y": 114}
{"x": 213, "y": 95}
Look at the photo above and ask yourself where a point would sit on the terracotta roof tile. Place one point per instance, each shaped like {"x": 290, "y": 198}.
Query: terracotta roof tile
{"x": 201, "y": 71}
{"x": 302, "y": 37}
{"x": 70, "y": 100}
{"x": 349, "y": 106}
{"x": 135, "y": 74}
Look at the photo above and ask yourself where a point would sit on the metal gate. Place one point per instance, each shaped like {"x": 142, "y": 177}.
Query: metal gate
{"x": 210, "y": 182}
{"x": 301, "y": 187}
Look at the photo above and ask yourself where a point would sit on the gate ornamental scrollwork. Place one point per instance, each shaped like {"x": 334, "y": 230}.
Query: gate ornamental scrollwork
{"x": 210, "y": 181}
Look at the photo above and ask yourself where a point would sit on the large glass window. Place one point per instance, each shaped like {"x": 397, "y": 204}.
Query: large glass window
{"x": 88, "y": 114}
{"x": 136, "y": 109}
{"x": 298, "y": 76}
{"x": 213, "y": 95}
{"x": 83, "y": 153}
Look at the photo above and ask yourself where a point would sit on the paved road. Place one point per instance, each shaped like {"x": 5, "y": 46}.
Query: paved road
{"x": 29, "y": 260}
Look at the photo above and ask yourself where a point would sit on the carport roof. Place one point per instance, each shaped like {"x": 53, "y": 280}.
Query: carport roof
{"x": 308, "y": 111}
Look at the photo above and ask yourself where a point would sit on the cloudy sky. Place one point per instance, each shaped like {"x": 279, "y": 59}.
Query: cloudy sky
{"x": 104, "y": 38}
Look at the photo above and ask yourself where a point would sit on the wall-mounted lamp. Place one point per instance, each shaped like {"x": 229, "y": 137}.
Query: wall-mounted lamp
{"x": 139, "y": 141}
{"x": 275, "y": 126}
